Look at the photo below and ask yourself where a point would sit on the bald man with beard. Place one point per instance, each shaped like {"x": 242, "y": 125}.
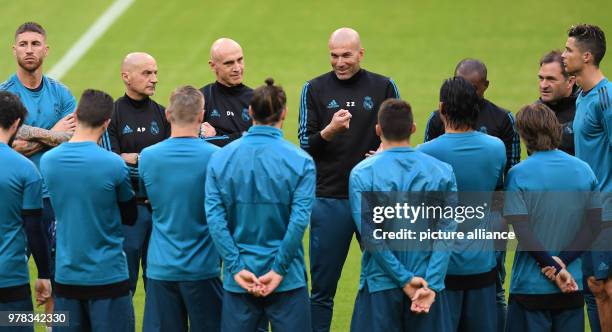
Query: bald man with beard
{"x": 338, "y": 115}
{"x": 137, "y": 122}
{"x": 226, "y": 114}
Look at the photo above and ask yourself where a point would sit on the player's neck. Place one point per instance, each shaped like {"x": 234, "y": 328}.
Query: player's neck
{"x": 450, "y": 130}
{"x": 395, "y": 144}
{"x": 135, "y": 95}
{"x": 5, "y": 136}
{"x": 30, "y": 80}
{"x": 86, "y": 134}
{"x": 589, "y": 77}
{"x": 184, "y": 131}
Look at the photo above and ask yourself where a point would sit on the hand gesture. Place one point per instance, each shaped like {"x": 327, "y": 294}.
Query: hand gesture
{"x": 566, "y": 282}
{"x": 67, "y": 124}
{"x": 207, "y": 130}
{"x": 248, "y": 281}
{"x": 422, "y": 300}
{"x": 43, "y": 290}
{"x": 550, "y": 271}
{"x": 130, "y": 158}
{"x": 373, "y": 152}
{"x": 339, "y": 123}
{"x": 270, "y": 282}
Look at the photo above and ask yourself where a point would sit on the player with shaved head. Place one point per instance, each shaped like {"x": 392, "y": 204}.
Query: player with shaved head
{"x": 338, "y": 115}
{"x": 137, "y": 123}
{"x": 226, "y": 115}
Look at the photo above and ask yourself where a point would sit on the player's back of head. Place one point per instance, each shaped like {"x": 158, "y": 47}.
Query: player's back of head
{"x": 395, "y": 120}
{"x": 459, "y": 103}
{"x": 94, "y": 108}
{"x": 186, "y": 106}
{"x": 538, "y": 127}
{"x": 590, "y": 38}
{"x": 268, "y": 103}
{"x": 11, "y": 109}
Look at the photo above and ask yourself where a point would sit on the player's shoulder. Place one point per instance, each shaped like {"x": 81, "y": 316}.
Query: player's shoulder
{"x": 56, "y": 85}
{"x": 17, "y": 159}
{"x": 157, "y": 105}
{"x": 297, "y": 152}
{"x": 9, "y": 85}
{"x": 376, "y": 76}
{"x": 431, "y": 163}
{"x": 489, "y": 106}
{"x": 321, "y": 80}
{"x": 603, "y": 96}
{"x": 205, "y": 90}
{"x": 491, "y": 142}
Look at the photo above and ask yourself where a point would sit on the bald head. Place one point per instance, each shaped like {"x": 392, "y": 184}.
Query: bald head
{"x": 227, "y": 61}
{"x": 346, "y": 37}
{"x": 475, "y": 72}
{"x": 222, "y": 46}
{"x": 139, "y": 74}
{"x": 346, "y": 52}
{"x": 134, "y": 60}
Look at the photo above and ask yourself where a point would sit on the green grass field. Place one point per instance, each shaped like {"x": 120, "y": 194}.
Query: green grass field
{"x": 416, "y": 43}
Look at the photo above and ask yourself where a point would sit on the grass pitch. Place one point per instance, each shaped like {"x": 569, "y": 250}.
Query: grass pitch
{"x": 416, "y": 43}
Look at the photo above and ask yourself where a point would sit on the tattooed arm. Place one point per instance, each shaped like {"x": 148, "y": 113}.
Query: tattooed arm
{"x": 38, "y": 135}
{"x": 27, "y": 148}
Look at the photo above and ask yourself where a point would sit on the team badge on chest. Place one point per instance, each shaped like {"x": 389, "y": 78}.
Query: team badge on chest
{"x": 368, "y": 103}
{"x": 245, "y": 115}
{"x": 154, "y": 128}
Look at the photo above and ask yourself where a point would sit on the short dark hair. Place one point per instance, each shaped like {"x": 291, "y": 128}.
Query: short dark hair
{"x": 538, "y": 127}
{"x": 459, "y": 103}
{"x": 552, "y": 57}
{"x": 590, "y": 38}
{"x": 468, "y": 66}
{"x": 94, "y": 108}
{"x": 268, "y": 102}
{"x": 11, "y": 109}
{"x": 395, "y": 120}
{"x": 30, "y": 27}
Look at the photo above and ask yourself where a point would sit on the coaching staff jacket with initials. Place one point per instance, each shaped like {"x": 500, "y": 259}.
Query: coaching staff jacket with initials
{"x": 323, "y": 96}
{"x": 227, "y": 109}
{"x": 135, "y": 125}
{"x": 259, "y": 194}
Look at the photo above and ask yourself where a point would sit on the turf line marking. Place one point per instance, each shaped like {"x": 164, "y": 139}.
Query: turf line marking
{"x": 89, "y": 38}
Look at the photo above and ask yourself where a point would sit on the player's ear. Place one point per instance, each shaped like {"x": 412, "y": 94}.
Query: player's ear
{"x": 167, "y": 115}
{"x": 571, "y": 81}
{"x": 251, "y": 113}
{"x": 441, "y": 108}
{"x": 201, "y": 117}
{"x": 211, "y": 64}
{"x": 15, "y": 125}
{"x": 486, "y": 85}
{"x": 125, "y": 77}
{"x": 413, "y": 129}
{"x": 283, "y": 113}
{"x": 378, "y": 130}
{"x": 106, "y": 124}
{"x": 587, "y": 57}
